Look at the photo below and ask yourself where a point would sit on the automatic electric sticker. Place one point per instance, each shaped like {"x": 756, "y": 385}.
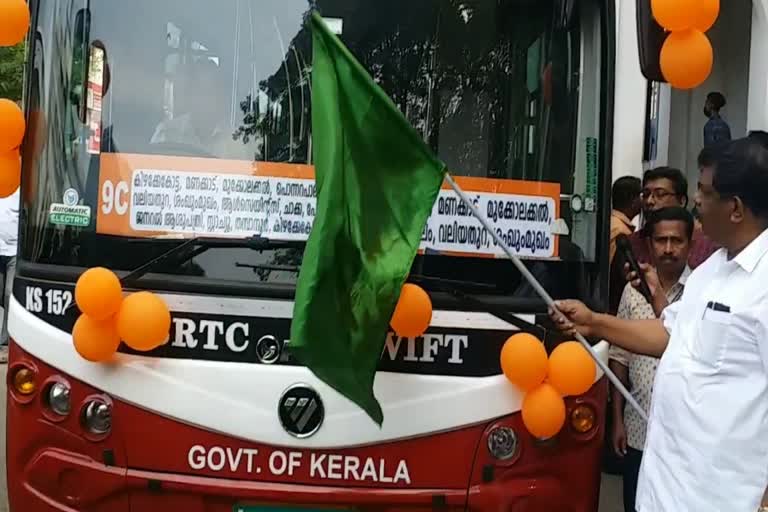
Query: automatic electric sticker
{"x": 70, "y": 213}
{"x": 147, "y": 196}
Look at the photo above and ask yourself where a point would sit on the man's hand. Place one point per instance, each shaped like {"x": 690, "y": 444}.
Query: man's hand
{"x": 658, "y": 298}
{"x": 645, "y": 337}
{"x": 619, "y": 438}
{"x": 650, "y": 274}
{"x": 575, "y": 317}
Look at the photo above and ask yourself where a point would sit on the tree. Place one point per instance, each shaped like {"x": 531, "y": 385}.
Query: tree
{"x": 12, "y": 72}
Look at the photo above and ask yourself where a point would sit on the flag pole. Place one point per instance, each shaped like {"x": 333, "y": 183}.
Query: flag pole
{"x": 543, "y": 293}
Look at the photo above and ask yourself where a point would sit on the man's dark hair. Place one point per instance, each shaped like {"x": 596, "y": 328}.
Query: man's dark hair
{"x": 716, "y": 100}
{"x": 742, "y": 171}
{"x": 676, "y": 176}
{"x": 674, "y": 213}
{"x": 760, "y": 136}
{"x": 625, "y": 190}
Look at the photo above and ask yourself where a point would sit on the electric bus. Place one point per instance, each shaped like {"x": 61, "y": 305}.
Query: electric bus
{"x": 155, "y": 123}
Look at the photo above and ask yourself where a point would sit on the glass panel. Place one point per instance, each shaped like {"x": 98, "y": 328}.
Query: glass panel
{"x": 222, "y": 90}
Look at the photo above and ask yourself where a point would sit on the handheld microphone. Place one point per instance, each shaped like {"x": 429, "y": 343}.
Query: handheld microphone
{"x": 625, "y": 246}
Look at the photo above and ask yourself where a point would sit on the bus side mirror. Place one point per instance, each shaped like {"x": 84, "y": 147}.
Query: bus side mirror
{"x": 650, "y": 39}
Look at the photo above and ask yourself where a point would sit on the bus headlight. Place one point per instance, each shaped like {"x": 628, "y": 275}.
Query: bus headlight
{"x": 97, "y": 416}
{"x": 58, "y": 398}
{"x": 583, "y": 418}
{"x": 502, "y": 443}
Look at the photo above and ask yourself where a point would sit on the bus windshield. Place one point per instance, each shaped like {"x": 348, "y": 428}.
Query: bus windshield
{"x": 155, "y": 119}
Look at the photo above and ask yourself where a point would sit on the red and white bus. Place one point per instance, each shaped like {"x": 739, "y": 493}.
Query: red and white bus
{"x": 154, "y": 121}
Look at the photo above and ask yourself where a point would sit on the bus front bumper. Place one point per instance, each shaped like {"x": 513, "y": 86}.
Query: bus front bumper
{"x": 53, "y": 465}
{"x": 57, "y": 480}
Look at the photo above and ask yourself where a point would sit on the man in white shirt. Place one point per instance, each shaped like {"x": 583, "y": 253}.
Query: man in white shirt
{"x": 707, "y": 438}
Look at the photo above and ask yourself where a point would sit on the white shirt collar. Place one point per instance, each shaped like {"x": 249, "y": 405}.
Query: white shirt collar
{"x": 751, "y": 255}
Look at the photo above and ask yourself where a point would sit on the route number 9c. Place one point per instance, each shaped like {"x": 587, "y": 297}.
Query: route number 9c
{"x": 114, "y": 197}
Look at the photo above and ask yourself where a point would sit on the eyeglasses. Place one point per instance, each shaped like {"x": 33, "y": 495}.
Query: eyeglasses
{"x": 657, "y": 193}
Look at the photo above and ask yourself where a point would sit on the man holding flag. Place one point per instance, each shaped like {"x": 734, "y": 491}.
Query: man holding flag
{"x": 708, "y": 436}
{"x": 707, "y": 441}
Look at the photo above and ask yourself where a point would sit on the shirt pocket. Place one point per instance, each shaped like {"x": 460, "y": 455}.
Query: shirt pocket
{"x": 712, "y": 338}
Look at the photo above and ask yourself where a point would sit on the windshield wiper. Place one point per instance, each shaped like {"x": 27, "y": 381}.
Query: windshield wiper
{"x": 194, "y": 247}
{"x": 459, "y": 290}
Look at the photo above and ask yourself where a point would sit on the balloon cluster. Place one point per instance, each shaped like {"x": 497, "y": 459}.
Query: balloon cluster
{"x": 14, "y": 23}
{"x": 568, "y": 371}
{"x": 142, "y": 320}
{"x": 413, "y": 312}
{"x": 686, "y": 57}
{"x": 545, "y": 380}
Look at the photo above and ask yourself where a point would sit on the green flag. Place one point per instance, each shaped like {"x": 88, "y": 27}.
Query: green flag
{"x": 376, "y": 183}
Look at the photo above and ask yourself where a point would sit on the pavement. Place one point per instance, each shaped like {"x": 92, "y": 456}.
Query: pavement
{"x": 610, "y": 493}
{"x": 3, "y": 488}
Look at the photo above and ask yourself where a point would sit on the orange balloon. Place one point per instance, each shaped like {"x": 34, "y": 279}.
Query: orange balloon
{"x": 10, "y": 173}
{"x": 524, "y": 361}
{"x": 95, "y": 340}
{"x": 413, "y": 312}
{"x": 571, "y": 369}
{"x": 686, "y": 59}
{"x": 543, "y": 411}
{"x": 705, "y": 14}
{"x": 12, "y": 125}
{"x": 674, "y": 14}
{"x": 144, "y": 321}
{"x": 14, "y": 22}
{"x": 98, "y": 293}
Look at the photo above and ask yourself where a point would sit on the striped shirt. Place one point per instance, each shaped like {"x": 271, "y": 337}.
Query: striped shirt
{"x": 642, "y": 369}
